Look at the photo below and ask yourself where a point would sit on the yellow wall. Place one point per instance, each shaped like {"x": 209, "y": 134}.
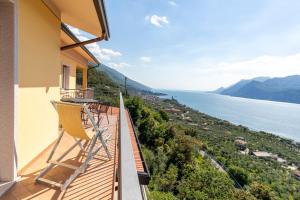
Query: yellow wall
{"x": 39, "y": 70}
{"x": 74, "y": 60}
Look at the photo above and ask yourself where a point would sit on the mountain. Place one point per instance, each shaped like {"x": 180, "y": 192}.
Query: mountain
{"x": 237, "y": 86}
{"x": 219, "y": 90}
{"x": 119, "y": 79}
{"x": 285, "y": 89}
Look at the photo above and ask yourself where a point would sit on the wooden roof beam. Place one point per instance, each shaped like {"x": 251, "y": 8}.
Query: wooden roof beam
{"x": 82, "y": 43}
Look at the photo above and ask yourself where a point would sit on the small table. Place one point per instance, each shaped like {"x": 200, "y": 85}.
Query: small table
{"x": 82, "y": 101}
{"x": 79, "y": 100}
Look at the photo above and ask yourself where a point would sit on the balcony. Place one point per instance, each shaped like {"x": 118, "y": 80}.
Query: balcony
{"x": 122, "y": 177}
{"x": 77, "y": 93}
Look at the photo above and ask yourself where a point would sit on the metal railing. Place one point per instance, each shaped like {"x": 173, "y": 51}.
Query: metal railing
{"x": 77, "y": 93}
{"x": 129, "y": 187}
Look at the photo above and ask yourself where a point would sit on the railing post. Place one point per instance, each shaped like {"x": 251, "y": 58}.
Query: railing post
{"x": 129, "y": 186}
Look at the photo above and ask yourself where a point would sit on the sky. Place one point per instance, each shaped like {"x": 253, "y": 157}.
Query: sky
{"x": 200, "y": 44}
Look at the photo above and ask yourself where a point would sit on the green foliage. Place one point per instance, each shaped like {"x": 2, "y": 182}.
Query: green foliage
{"x": 167, "y": 182}
{"x": 192, "y": 132}
{"x": 260, "y": 191}
{"x": 243, "y": 195}
{"x": 157, "y": 195}
{"x": 105, "y": 89}
{"x": 239, "y": 174}
{"x": 135, "y": 106}
{"x": 164, "y": 115}
{"x": 171, "y": 153}
{"x": 183, "y": 149}
{"x": 217, "y": 138}
{"x": 202, "y": 181}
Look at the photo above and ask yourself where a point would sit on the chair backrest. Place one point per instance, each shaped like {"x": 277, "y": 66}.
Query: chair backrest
{"x": 94, "y": 106}
{"x": 104, "y": 108}
{"x": 70, "y": 119}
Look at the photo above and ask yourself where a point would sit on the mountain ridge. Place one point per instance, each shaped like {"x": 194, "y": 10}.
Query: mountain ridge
{"x": 283, "y": 89}
{"x": 119, "y": 79}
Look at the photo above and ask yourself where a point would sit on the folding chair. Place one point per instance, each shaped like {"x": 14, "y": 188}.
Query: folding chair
{"x": 104, "y": 109}
{"x": 97, "y": 109}
{"x": 70, "y": 119}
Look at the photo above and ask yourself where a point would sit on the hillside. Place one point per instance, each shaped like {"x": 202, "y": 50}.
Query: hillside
{"x": 286, "y": 89}
{"x": 107, "y": 83}
{"x": 119, "y": 79}
{"x": 193, "y": 156}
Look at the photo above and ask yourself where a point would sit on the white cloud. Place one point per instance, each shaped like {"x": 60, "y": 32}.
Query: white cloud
{"x": 263, "y": 65}
{"x": 111, "y": 52}
{"x": 206, "y": 74}
{"x": 227, "y": 73}
{"x": 172, "y": 3}
{"x": 74, "y": 30}
{"x": 101, "y": 54}
{"x": 119, "y": 65}
{"x": 145, "y": 59}
{"x": 157, "y": 21}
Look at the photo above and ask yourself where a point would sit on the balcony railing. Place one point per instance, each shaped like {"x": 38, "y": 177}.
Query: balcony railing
{"x": 77, "y": 93}
{"x": 129, "y": 187}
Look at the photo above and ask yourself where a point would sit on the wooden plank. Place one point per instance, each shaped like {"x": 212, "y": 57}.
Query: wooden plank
{"x": 49, "y": 182}
{"x": 63, "y": 164}
{"x": 98, "y": 182}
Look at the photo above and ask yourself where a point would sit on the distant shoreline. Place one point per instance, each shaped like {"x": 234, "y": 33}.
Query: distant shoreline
{"x": 274, "y": 134}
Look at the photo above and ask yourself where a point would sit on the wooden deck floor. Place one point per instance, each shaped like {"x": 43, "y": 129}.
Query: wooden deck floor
{"x": 96, "y": 183}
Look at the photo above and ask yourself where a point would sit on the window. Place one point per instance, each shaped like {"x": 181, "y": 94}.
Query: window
{"x": 79, "y": 78}
{"x": 65, "y": 77}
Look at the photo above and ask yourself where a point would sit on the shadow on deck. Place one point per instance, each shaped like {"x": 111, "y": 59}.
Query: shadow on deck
{"x": 96, "y": 183}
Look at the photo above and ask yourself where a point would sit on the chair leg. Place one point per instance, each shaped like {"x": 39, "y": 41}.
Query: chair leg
{"x": 79, "y": 144}
{"x": 51, "y": 165}
{"x": 107, "y": 118}
{"x": 56, "y": 145}
{"x": 104, "y": 144}
{"x": 82, "y": 168}
{"x": 98, "y": 122}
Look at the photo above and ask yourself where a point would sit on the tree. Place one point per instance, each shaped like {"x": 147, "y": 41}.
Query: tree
{"x": 239, "y": 174}
{"x": 183, "y": 150}
{"x": 168, "y": 180}
{"x": 164, "y": 115}
{"x": 260, "y": 191}
{"x": 201, "y": 181}
{"x": 134, "y": 105}
{"x": 157, "y": 195}
{"x": 191, "y": 132}
{"x": 243, "y": 195}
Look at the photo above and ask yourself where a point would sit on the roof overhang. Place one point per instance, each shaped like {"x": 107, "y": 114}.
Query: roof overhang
{"x": 68, "y": 37}
{"x": 87, "y": 15}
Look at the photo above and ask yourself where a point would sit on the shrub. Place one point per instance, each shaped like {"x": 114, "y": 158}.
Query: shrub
{"x": 239, "y": 174}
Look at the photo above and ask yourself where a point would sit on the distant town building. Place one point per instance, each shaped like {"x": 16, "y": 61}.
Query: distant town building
{"x": 240, "y": 138}
{"x": 150, "y": 97}
{"x": 173, "y": 110}
{"x": 264, "y": 154}
{"x": 241, "y": 144}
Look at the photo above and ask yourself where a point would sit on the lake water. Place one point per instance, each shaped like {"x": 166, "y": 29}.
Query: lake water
{"x": 275, "y": 117}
